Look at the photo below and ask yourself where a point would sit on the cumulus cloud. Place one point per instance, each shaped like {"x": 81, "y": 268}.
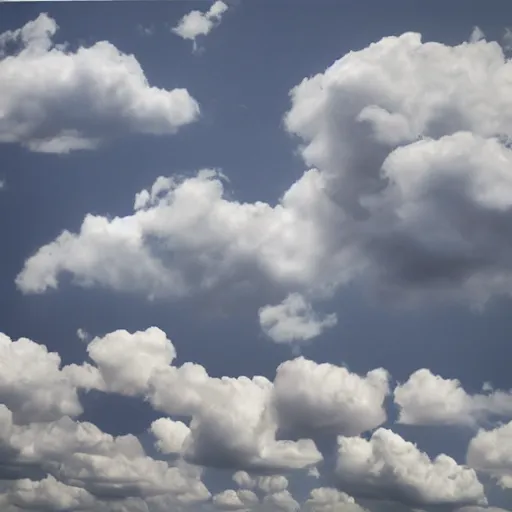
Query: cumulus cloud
{"x": 197, "y": 23}
{"x": 388, "y": 467}
{"x": 327, "y": 499}
{"x": 235, "y": 421}
{"x": 80, "y": 455}
{"x": 33, "y": 384}
{"x": 294, "y": 320}
{"x": 235, "y": 500}
{"x": 281, "y": 501}
{"x": 428, "y": 399}
{"x": 490, "y": 451}
{"x": 47, "y": 495}
{"x": 56, "y": 100}
{"x": 309, "y": 397}
{"x": 408, "y": 193}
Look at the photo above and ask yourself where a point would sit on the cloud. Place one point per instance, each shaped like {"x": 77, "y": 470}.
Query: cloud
{"x": 428, "y": 399}
{"x": 490, "y": 451}
{"x": 80, "y": 455}
{"x": 388, "y": 467}
{"x": 281, "y": 501}
{"x": 45, "y": 392}
{"x": 197, "y": 23}
{"x": 408, "y": 193}
{"x": 235, "y": 421}
{"x": 324, "y": 397}
{"x": 232, "y": 424}
{"x": 56, "y": 100}
{"x": 235, "y": 500}
{"x": 47, "y": 495}
{"x": 294, "y": 320}
{"x": 326, "y": 499}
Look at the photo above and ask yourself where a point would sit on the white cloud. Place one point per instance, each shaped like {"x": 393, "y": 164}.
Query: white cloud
{"x": 310, "y": 396}
{"x": 388, "y": 467}
{"x": 32, "y": 383}
{"x": 197, "y": 23}
{"x": 428, "y": 399}
{"x": 490, "y": 451}
{"x": 294, "y": 320}
{"x": 234, "y": 500}
{"x": 281, "y": 501}
{"x": 55, "y": 100}
{"x": 232, "y": 419}
{"x": 81, "y": 455}
{"x": 244, "y": 480}
{"x": 326, "y": 499}
{"x": 184, "y": 236}
{"x": 359, "y": 213}
{"x": 170, "y": 435}
{"x": 272, "y": 484}
{"x": 47, "y": 495}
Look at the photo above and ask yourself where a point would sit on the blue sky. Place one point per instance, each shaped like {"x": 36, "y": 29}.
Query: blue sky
{"x": 306, "y": 192}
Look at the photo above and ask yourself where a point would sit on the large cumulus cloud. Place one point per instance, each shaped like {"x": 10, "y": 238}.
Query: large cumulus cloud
{"x": 57, "y": 100}
{"x": 408, "y": 191}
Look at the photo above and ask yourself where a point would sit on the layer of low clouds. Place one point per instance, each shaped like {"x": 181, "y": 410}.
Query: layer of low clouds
{"x": 197, "y": 23}
{"x": 229, "y": 423}
{"x": 55, "y": 100}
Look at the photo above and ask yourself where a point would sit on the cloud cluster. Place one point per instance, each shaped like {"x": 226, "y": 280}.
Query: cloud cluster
{"x": 234, "y": 421}
{"x": 56, "y": 100}
{"x": 253, "y": 426}
{"x": 428, "y": 399}
{"x": 197, "y": 23}
{"x": 409, "y": 192}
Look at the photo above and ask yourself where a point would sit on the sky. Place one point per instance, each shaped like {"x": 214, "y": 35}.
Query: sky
{"x": 256, "y": 256}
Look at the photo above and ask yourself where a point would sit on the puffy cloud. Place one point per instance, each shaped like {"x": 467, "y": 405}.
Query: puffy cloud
{"x": 326, "y": 499}
{"x": 294, "y": 320}
{"x": 232, "y": 419}
{"x": 48, "y": 495}
{"x": 409, "y": 192}
{"x": 32, "y": 383}
{"x": 242, "y": 499}
{"x": 197, "y": 23}
{"x": 80, "y": 455}
{"x": 272, "y": 484}
{"x": 244, "y": 480}
{"x": 388, "y": 467}
{"x": 171, "y": 435}
{"x": 235, "y": 421}
{"x": 280, "y": 501}
{"x": 55, "y": 100}
{"x": 184, "y": 237}
{"x": 490, "y": 451}
{"x": 310, "y": 396}
{"x": 411, "y": 138}
{"x": 428, "y": 399}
